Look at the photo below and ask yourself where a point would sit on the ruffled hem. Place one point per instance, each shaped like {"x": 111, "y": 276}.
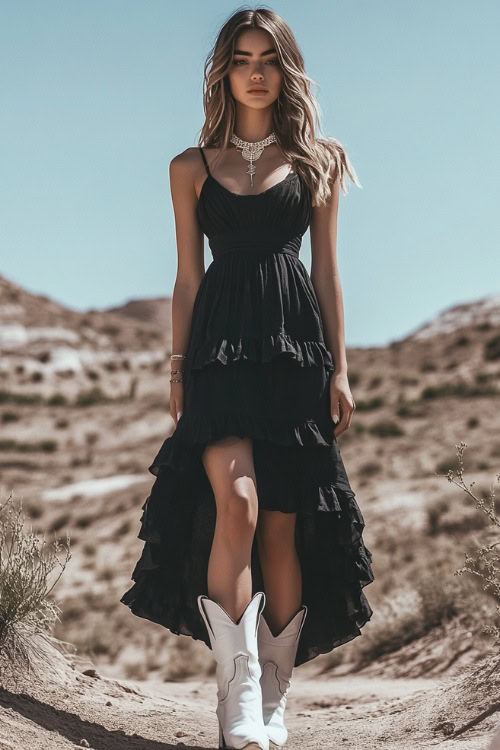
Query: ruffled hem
{"x": 263, "y": 349}
{"x": 178, "y": 532}
{"x": 187, "y": 442}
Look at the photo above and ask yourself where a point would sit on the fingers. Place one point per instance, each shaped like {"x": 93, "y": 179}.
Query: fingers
{"x": 347, "y": 410}
{"x": 176, "y": 409}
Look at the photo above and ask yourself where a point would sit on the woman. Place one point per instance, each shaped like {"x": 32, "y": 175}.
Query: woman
{"x": 253, "y": 537}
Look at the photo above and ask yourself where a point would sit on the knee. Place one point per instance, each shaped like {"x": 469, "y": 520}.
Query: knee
{"x": 237, "y": 511}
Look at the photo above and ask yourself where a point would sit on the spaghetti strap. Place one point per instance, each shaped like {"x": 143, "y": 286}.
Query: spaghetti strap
{"x": 204, "y": 159}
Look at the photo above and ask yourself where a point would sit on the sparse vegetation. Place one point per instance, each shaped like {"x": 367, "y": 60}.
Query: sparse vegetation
{"x": 492, "y": 348}
{"x": 443, "y": 517}
{"x": 411, "y": 410}
{"x": 27, "y": 610}
{"x": 356, "y": 428}
{"x": 406, "y": 380}
{"x": 483, "y": 377}
{"x": 84, "y": 522}
{"x": 408, "y": 614}
{"x": 110, "y": 330}
{"x": 47, "y": 446}
{"x": 354, "y": 378}
{"x": 427, "y": 366}
{"x": 10, "y": 397}
{"x": 370, "y": 468}
{"x": 58, "y": 399}
{"x": 93, "y": 396}
{"x": 460, "y": 389}
{"x": 105, "y": 573}
{"x": 10, "y": 416}
{"x": 123, "y": 529}
{"x": 370, "y": 404}
{"x": 61, "y": 522}
{"x": 484, "y": 562}
{"x": 386, "y": 428}
{"x": 134, "y": 383}
{"x": 91, "y": 438}
{"x": 447, "y": 463}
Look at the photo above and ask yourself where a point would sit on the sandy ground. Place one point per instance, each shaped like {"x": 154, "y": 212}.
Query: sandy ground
{"x": 350, "y": 712}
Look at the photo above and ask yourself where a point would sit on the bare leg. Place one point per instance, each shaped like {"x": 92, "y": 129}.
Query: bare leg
{"x": 230, "y": 470}
{"x": 281, "y": 568}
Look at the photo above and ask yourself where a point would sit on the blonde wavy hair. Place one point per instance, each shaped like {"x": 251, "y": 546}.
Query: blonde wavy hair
{"x": 296, "y": 112}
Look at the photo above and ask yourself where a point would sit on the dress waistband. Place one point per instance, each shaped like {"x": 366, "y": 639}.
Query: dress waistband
{"x": 252, "y": 241}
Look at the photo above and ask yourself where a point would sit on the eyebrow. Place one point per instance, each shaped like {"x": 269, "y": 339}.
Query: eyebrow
{"x": 249, "y": 54}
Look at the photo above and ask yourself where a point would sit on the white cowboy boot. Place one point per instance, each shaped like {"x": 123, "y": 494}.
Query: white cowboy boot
{"x": 239, "y": 693}
{"x": 277, "y": 658}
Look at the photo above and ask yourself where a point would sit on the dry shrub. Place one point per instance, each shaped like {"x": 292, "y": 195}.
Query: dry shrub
{"x": 28, "y": 613}
{"x": 484, "y": 562}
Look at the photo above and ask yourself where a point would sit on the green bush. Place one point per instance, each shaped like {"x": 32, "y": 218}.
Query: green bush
{"x": 91, "y": 397}
{"x": 7, "y": 397}
{"x": 57, "y": 399}
{"x": 386, "y": 428}
{"x": 48, "y": 446}
{"x": 369, "y": 405}
{"x": 460, "y": 389}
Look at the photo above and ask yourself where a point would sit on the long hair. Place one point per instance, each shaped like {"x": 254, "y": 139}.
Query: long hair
{"x": 296, "y": 112}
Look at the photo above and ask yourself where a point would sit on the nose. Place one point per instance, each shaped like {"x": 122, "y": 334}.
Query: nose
{"x": 257, "y": 75}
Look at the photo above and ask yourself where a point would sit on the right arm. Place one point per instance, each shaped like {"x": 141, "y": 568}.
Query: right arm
{"x": 190, "y": 263}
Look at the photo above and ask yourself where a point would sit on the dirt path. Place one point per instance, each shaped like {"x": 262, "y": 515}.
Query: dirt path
{"x": 350, "y": 712}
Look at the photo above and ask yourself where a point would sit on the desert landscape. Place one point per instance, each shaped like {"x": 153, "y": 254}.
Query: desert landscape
{"x": 84, "y": 405}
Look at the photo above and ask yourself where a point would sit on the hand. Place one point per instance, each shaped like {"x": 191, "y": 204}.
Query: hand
{"x": 176, "y": 401}
{"x": 342, "y": 404}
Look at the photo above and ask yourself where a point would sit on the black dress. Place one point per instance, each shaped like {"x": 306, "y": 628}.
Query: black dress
{"x": 256, "y": 366}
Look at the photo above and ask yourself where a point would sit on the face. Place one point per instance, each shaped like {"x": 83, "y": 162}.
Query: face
{"x": 254, "y": 64}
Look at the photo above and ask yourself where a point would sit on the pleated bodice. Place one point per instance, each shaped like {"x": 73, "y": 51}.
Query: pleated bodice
{"x": 274, "y": 219}
{"x": 256, "y": 300}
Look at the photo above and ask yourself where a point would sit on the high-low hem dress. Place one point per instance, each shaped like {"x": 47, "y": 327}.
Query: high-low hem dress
{"x": 256, "y": 366}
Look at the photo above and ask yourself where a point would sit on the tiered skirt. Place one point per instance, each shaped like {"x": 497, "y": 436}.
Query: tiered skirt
{"x": 257, "y": 366}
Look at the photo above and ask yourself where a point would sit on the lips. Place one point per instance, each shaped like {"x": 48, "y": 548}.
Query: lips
{"x": 257, "y": 88}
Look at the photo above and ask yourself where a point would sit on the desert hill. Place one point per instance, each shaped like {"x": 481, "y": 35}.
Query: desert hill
{"x": 84, "y": 405}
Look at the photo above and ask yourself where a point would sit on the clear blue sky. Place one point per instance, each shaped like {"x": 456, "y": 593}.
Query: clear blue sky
{"x": 99, "y": 95}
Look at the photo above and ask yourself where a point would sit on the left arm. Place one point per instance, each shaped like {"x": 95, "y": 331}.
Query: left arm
{"x": 326, "y": 281}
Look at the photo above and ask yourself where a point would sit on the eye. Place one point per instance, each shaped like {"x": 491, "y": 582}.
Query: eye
{"x": 243, "y": 62}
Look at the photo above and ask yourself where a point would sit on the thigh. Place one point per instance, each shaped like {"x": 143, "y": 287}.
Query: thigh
{"x": 275, "y": 530}
{"x": 230, "y": 469}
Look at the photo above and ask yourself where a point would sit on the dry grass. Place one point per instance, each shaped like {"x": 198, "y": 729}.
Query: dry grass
{"x": 27, "y": 611}
{"x": 484, "y": 562}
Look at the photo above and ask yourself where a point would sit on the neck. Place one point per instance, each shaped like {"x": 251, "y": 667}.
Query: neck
{"x": 253, "y": 125}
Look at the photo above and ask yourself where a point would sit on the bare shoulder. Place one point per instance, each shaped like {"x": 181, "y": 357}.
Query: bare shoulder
{"x": 184, "y": 167}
